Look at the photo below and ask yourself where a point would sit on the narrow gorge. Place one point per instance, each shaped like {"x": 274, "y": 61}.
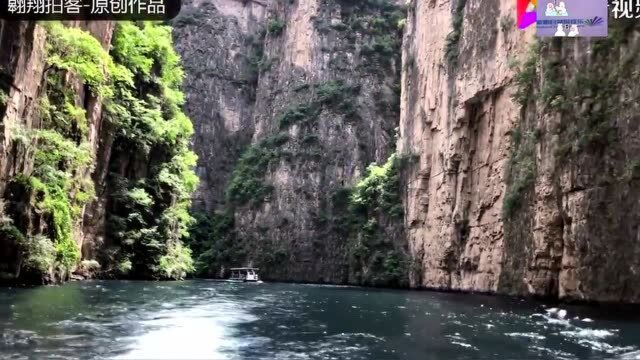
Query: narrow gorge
{"x": 420, "y": 144}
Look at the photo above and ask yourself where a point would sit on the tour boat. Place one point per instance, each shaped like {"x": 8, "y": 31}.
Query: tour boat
{"x": 245, "y": 275}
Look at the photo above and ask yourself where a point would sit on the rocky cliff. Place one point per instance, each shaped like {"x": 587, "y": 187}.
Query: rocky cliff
{"x": 24, "y": 85}
{"x": 519, "y": 159}
{"x": 427, "y": 144}
{"x": 292, "y": 100}
{"x": 95, "y": 160}
{"x": 527, "y": 175}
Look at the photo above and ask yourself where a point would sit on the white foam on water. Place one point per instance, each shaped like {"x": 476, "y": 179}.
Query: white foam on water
{"x": 200, "y": 335}
{"x": 602, "y": 346}
{"x": 557, "y": 354}
{"x": 554, "y": 321}
{"x": 589, "y": 333}
{"x": 352, "y": 335}
{"x": 633, "y": 355}
{"x": 465, "y": 345}
{"x": 529, "y": 335}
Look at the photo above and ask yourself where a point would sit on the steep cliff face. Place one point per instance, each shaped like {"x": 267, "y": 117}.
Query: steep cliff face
{"x": 527, "y": 175}
{"x": 215, "y": 39}
{"x": 456, "y": 116}
{"x": 327, "y": 97}
{"x": 80, "y": 115}
{"x": 312, "y": 86}
{"x": 25, "y": 83}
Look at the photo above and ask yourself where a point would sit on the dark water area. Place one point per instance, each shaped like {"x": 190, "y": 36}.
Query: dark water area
{"x": 212, "y": 320}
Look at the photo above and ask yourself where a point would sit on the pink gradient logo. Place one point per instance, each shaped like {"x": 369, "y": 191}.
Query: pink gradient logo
{"x": 526, "y": 12}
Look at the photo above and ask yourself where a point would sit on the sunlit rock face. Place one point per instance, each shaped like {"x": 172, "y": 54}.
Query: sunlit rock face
{"x": 537, "y": 196}
{"x": 456, "y": 115}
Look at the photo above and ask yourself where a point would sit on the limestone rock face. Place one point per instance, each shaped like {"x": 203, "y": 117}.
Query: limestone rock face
{"x": 214, "y": 39}
{"x": 530, "y": 197}
{"x": 249, "y": 64}
{"x": 456, "y": 115}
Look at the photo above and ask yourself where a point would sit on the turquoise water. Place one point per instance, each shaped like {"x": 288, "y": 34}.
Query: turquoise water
{"x": 212, "y": 320}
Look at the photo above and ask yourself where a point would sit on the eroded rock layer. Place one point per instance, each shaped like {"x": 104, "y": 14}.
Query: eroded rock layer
{"x": 527, "y": 175}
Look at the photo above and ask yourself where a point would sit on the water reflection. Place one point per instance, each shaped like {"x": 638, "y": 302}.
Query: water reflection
{"x": 211, "y": 320}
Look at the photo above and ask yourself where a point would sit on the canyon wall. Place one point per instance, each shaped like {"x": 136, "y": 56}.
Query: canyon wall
{"x": 504, "y": 163}
{"x": 526, "y": 182}
{"x": 23, "y": 84}
{"x": 291, "y": 100}
{"x": 215, "y": 39}
{"x": 96, "y": 168}
{"x": 519, "y": 172}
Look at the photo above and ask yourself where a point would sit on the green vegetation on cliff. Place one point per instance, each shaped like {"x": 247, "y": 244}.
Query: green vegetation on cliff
{"x": 452, "y": 42}
{"x": 138, "y": 83}
{"x": 378, "y": 22}
{"x": 375, "y": 216}
{"x": 247, "y": 184}
{"x": 57, "y": 188}
{"x": 152, "y": 176}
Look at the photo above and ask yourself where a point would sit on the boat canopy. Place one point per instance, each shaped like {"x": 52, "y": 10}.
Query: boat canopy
{"x": 245, "y": 268}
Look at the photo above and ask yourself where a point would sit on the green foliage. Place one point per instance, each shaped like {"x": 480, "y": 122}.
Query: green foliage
{"x": 361, "y": 212}
{"x": 189, "y": 16}
{"x": 124, "y": 267}
{"x": 521, "y": 171}
{"x": 60, "y": 192}
{"x": 4, "y": 97}
{"x": 57, "y": 187}
{"x": 275, "y": 27}
{"x": 256, "y": 59}
{"x": 334, "y": 95}
{"x": 553, "y": 87}
{"x": 156, "y": 117}
{"x": 246, "y": 182}
{"x": 90, "y": 265}
{"x": 9, "y": 232}
{"x": 337, "y": 95}
{"x": 39, "y": 253}
{"x": 139, "y": 83}
{"x": 211, "y": 237}
{"x": 526, "y": 75}
{"x": 453, "y": 38}
{"x": 378, "y": 24}
{"x": 140, "y": 197}
{"x": 379, "y": 190}
{"x": 384, "y": 46}
{"x": 149, "y": 216}
{"x": 632, "y": 170}
{"x": 296, "y": 114}
{"x": 177, "y": 262}
{"x": 75, "y": 50}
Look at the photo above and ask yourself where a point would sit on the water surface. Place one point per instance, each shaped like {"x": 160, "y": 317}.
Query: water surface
{"x": 212, "y": 320}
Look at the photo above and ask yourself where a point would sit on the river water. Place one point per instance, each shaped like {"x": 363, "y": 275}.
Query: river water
{"x": 213, "y": 320}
